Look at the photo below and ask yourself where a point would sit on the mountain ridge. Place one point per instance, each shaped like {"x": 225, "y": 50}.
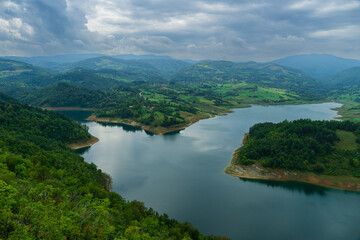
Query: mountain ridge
{"x": 319, "y": 66}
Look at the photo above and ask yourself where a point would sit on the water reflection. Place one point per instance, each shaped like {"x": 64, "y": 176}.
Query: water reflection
{"x": 83, "y": 150}
{"x": 79, "y": 116}
{"x": 173, "y": 133}
{"x": 149, "y": 133}
{"x": 126, "y": 128}
{"x": 307, "y": 188}
{"x": 171, "y": 136}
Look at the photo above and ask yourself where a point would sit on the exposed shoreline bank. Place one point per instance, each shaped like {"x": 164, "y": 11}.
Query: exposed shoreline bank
{"x": 257, "y": 171}
{"x": 165, "y": 130}
{"x": 83, "y": 144}
{"x": 155, "y": 130}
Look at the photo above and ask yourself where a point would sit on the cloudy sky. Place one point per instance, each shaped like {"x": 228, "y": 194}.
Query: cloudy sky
{"x": 237, "y": 30}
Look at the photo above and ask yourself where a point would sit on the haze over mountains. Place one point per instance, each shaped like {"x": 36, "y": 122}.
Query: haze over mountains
{"x": 306, "y": 74}
{"x": 61, "y": 63}
{"x": 319, "y": 66}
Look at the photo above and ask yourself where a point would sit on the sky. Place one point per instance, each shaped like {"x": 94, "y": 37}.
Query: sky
{"x": 241, "y": 30}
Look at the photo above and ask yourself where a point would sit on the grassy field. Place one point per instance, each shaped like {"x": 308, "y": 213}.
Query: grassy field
{"x": 347, "y": 140}
{"x": 181, "y": 104}
{"x": 351, "y": 106}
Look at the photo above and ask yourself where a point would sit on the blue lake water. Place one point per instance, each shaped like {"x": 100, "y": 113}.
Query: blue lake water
{"x": 182, "y": 175}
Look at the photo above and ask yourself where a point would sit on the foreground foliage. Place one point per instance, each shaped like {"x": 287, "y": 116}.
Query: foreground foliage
{"x": 47, "y": 191}
{"x": 327, "y": 147}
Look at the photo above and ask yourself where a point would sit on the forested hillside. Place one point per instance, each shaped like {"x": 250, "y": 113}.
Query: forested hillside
{"x": 347, "y": 78}
{"x": 86, "y": 79}
{"x": 47, "y": 191}
{"x": 327, "y": 147}
{"x": 267, "y": 75}
{"x": 31, "y": 122}
{"x": 344, "y": 87}
{"x": 119, "y": 64}
{"x": 18, "y": 78}
{"x": 65, "y": 95}
{"x": 10, "y": 68}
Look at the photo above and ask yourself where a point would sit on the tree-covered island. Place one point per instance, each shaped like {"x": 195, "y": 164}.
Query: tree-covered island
{"x": 325, "y": 153}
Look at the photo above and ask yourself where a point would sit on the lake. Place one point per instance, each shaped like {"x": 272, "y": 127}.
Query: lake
{"x": 181, "y": 174}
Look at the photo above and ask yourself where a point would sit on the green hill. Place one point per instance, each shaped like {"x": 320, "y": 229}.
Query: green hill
{"x": 348, "y": 77}
{"x": 48, "y": 191}
{"x": 86, "y": 79}
{"x": 9, "y": 68}
{"x": 131, "y": 66}
{"x": 18, "y": 78}
{"x": 57, "y": 63}
{"x": 65, "y": 95}
{"x": 268, "y": 75}
{"x": 328, "y": 147}
{"x": 22, "y": 73}
{"x": 20, "y": 119}
{"x": 344, "y": 87}
{"x": 319, "y": 66}
{"x": 125, "y": 77}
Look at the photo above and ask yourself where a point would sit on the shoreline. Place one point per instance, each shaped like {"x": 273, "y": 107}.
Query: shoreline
{"x": 165, "y": 130}
{"x": 155, "y": 130}
{"x": 83, "y": 144}
{"x": 257, "y": 171}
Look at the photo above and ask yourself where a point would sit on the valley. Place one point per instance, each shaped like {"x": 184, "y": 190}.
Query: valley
{"x": 137, "y": 93}
{"x": 163, "y": 96}
{"x": 179, "y": 120}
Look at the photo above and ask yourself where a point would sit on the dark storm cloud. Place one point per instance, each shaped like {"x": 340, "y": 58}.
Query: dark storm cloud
{"x": 38, "y": 27}
{"x": 235, "y": 30}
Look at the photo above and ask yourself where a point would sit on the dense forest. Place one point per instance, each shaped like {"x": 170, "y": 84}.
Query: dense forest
{"x": 65, "y": 95}
{"x": 47, "y": 191}
{"x": 326, "y": 147}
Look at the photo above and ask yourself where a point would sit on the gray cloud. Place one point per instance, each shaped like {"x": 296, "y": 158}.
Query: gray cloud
{"x": 236, "y": 30}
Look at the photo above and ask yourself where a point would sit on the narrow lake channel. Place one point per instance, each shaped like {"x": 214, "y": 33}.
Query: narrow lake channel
{"x": 181, "y": 174}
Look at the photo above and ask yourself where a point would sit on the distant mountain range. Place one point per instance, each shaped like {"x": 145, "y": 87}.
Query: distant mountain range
{"x": 62, "y": 63}
{"x": 319, "y": 66}
{"x": 306, "y": 74}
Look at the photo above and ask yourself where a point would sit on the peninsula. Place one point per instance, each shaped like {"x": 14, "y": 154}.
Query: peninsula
{"x": 324, "y": 153}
